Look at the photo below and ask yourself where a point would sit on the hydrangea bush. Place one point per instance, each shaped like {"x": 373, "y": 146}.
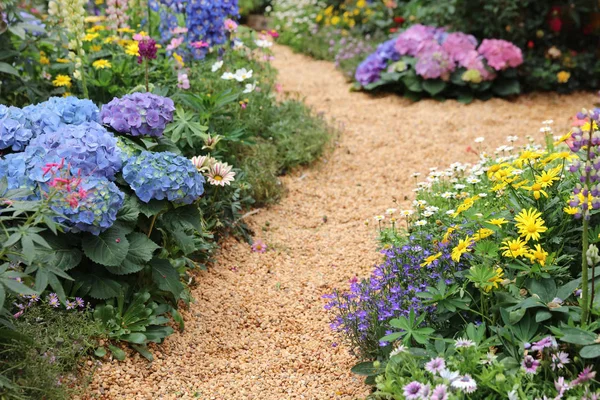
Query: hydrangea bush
{"x": 429, "y": 60}
{"x": 138, "y": 114}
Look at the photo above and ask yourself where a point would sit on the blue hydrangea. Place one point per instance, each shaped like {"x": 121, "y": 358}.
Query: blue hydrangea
{"x": 205, "y": 22}
{"x": 15, "y": 168}
{"x": 95, "y": 211}
{"x": 14, "y": 129}
{"x": 88, "y": 147}
{"x": 163, "y": 175}
{"x": 56, "y": 112}
{"x": 138, "y": 114}
{"x": 369, "y": 71}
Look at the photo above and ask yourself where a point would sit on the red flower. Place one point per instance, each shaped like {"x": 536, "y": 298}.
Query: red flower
{"x": 555, "y": 24}
{"x": 399, "y": 20}
{"x": 393, "y": 30}
{"x": 530, "y": 44}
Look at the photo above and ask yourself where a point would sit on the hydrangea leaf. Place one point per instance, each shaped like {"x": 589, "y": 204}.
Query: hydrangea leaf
{"x": 434, "y": 86}
{"x": 130, "y": 210}
{"x": 153, "y": 207}
{"x": 141, "y": 247}
{"x": 64, "y": 255}
{"x": 104, "y": 288}
{"x": 108, "y": 248}
{"x": 166, "y": 277}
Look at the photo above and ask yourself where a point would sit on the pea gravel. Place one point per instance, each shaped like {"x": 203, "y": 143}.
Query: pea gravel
{"x": 258, "y": 329}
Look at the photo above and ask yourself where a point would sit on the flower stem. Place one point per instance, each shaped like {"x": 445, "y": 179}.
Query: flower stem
{"x": 152, "y": 224}
{"x": 147, "y": 84}
{"x": 585, "y": 308}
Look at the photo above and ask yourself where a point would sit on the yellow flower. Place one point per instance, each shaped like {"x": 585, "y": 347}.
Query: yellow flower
{"x": 529, "y": 224}
{"x": 547, "y": 178}
{"x": 63, "y": 60}
{"x": 125, "y": 30}
{"x": 519, "y": 185}
{"x": 467, "y": 203}
{"x": 66, "y": 94}
{"x": 111, "y": 39}
{"x": 99, "y": 2}
{"x": 361, "y": 3}
{"x": 571, "y": 210}
{"x": 335, "y": 20}
{"x": 430, "y": 259}
{"x": 497, "y": 221}
{"x": 329, "y": 11}
{"x": 499, "y": 277}
{"x": 132, "y": 49}
{"x": 446, "y": 237}
{"x": 96, "y": 48}
{"x": 62, "y": 80}
{"x": 514, "y": 248}
{"x": 94, "y": 18}
{"x": 461, "y": 248}
{"x": 537, "y": 190}
{"x": 143, "y": 33}
{"x": 562, "y": 139}
{"x": 101, "y": 64}
{"x": 179, "y": 59}
{"x": 563, "y": 76}
{"x": 96, "y": 28}
{"x": 319, "y": 18}
{"x": 90, "y": 36}
{"x": 482, "y": 233}
{"x": 44, "y": 60}
{"x": 538, "y": 255}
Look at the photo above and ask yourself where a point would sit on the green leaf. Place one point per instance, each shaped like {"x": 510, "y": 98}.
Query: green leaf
{"x": 144, "y": 352}
{"x": 135, "y": 337}
{"x": 64, "y": 255}
{"x": 592, "y": 351}
{"x": 166, "y": 277}
{"x": 368, "y": 369}
{"x": 109, "y": 248}
{"x": 117, "y": 352}
{"x": 8, "y": 69}
{"x": 130, "y": 210}
{"x": 2, "y": 296}
{"x": 153, "y": 207}
{"x": 186, "y": 217}
{"x": 542, "y": 316}
{"x": 17, "y": 287}
{"x": 141, "y": 248}
{"x": 434, "y": 86}
{"x": 506, "y": 87}
{"x": 100, "y": 352}
{"x": 580, "y": 337}
{"x": 392, "y": 337}
{"x": 127, "y": 267}
{"x": 104, "y": 288}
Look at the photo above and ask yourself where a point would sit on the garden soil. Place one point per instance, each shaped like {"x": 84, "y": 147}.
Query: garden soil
{"x": 257, "y": 329}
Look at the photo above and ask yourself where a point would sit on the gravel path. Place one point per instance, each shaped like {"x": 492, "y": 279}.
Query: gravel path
{"x": 258, "y": 329}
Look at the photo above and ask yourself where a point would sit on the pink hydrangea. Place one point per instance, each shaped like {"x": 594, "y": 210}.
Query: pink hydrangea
{"x": 458, "y": 44}
{"x": 435, "y": 64}
{"x": 427, "y": 46}
{"x": 473, "y": 60}
{"x": 409, "y": 40}
{"x": 501, "y": 54}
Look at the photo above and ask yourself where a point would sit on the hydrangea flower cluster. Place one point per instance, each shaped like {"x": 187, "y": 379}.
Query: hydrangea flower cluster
{"x": 391, "y": 292}
{"x": 88, "y": 147}
{"x": 138, "y": 114}
{"x": 439, "y": 53}
{"x": 163, "y": 175}
{"x": 57, "y": 112}
{"x": 14, "y": 131}
{"x": 205, "y": 21}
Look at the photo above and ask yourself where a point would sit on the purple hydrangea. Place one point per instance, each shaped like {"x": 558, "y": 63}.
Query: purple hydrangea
{"x": 163, "y": 176}
{"x": 408, "y": 41}
{"x": 501, "y": 54}
{"x": 14, "y": 129}
{"x": 369, "y": 71}
{"x": 458, "y": 45}
{"x": 88, "y": 148}
{"x": 434, "y": 64}
{"x": 138, "y": 114}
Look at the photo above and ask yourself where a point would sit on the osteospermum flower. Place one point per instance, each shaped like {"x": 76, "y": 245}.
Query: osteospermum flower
{"x": 465, "y": 383}
{"x": 435, "y": 365}
{"x": 62, "y": 80}
{"x": 220, "y": 174}
{"x": 412, "y": 391}
{"x": 586, "y": 375}
{"x": 463, "y": 343}
{"x": 440, "y": 392}
{"x": 530, "y": 365}
{"x": 559, "y": 360}
{"x": 259, "y": 246}
{"x": 530, "y": 224}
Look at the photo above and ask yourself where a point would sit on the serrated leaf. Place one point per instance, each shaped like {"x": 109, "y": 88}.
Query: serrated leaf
{"x": 153, "y": 207}
{"x": 64, "y": 255}
{"x": 109, "y": 248}
{"x": 166, "y": 277}
{"x": 127, "y": 267}
{"x": 141, "y": 248}
{"x": 130, "y": 210}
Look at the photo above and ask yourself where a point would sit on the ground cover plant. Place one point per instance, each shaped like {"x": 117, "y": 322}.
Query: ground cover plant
{"x": 501, "y": 299}
{"x": 127, "y": 135}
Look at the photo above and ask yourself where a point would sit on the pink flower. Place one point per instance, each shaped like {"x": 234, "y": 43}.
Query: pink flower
{"x": 501, "y": 54}
{"x": 434, "y": 64}
{"x": 473, "y": 60}
{"x": 230, "y": 25}
{"x": 530, "y": 365}
{"x": 139, "y": 37}
{"x": 199, "y": 44}
{"x": 175, "y": 43}
{"x": 278, "y": 87}
{"x": 259, "y": 246}
{"x": 409, "y": 40}
{"x": 183, "y": 81}
{"x": 458, "y": 45}
{"x": 586, "y": 375}
{"x": 179, "y": 30}
{"x": 273, "y": 33}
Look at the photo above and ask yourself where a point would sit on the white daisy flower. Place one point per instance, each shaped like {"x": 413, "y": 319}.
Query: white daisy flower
{"x": 512, "y": 139}
{"x": 421, "y": 222}
{"x": 250, "y": 87}
{"x": 242, "y": 74}
{"x": 216, "y": 66}
{"x": 379, "y": 218}
{"x": 465, "y": 383}
{"x": 480, "y": 139}
{"x": 228, "y": 76}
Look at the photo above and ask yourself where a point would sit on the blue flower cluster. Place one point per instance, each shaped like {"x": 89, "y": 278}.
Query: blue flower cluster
{"x": 370, "y": 69}
{"x": 95, "y": 212}
{"x": 56, "y": 112}
{"x": 88, "y": 147}
{"x": 205, "y": 22}
{"x": 14, "y": 131}
{"x": 363, "y": 313}
{"x": 163, "y": 175}
{"x": 138, "y": 114}
{"x": 168, "y": 11}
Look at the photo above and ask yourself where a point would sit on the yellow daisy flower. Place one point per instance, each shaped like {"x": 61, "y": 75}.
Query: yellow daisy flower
{"x": 132, "y": 49}
{"x": 461, "y": 248}
{"x": 446, "y": 237}
{"x": 63, "y": 60}
{"x": 101, "y": 64}
{"x": 499, "y": 277}
{"x": 538, "y": 255}
{"x": 497, "y": 221}
{"x": 96, "y": 48}
{"x": 537, "y": 190}
{"x": 514, "y": 248}
{"x": 430, "y": 259}
{"x": 125, "y": 30}
{"x": 547, "y": 178}
{"x": 44, "y": 60}
{"x": 482, "y": 233}
{"x": 571, "y": 210}
{"x": 62, "y": 80}
{"x": 529, "y": 224}
{"x": 90, "y": 36}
